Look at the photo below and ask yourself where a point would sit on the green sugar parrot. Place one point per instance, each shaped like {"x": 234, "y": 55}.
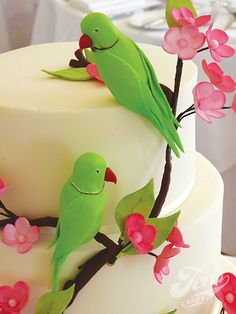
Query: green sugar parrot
{"x": 82, "y": 205}
{"x": 129, "y": 75}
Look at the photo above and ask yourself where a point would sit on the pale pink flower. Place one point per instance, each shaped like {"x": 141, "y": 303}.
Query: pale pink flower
{"x": 140, "y": 234}
{"x": 176, "y": 238}
{"x": 161, "y": 266}
{"x": 217, "y": 77}
{"x": 21, "y": 235}
{"x": 185, "y": 16}
{"x": 234, "y": 104}
{"x": 183, "y": 41}
{"x": 14, "y": 299}
{"x": 3, "y": 187}
{"x": 92, "y": 70}
{"x": 216, "y": 40}
{"x": 208, "y": 101}
{"x": 225, "y": 291}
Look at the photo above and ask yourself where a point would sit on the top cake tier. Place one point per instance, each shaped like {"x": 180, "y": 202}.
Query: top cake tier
{"x": 46, "y": 123}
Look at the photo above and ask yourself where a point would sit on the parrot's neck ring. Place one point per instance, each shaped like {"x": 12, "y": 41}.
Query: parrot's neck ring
{"x": 105, "y": 48}
{"x": 87, "y": 193}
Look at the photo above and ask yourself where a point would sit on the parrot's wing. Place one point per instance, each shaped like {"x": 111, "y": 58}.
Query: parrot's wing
{"x": 135, "y": 94}
{"x": 56, "y": 236}
{"x": 77, "y": 226}
{"x": 155, "y": 87}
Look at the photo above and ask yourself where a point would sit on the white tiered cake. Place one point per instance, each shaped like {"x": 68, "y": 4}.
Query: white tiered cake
{"x": 46, "y": 123}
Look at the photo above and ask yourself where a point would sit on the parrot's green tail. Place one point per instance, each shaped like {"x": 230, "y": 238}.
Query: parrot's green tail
{"x": 58, "y": 263}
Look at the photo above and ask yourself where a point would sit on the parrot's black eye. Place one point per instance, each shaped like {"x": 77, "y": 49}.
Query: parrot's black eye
{"x": 98, "y": 171}
{"x": 96, "y": 30}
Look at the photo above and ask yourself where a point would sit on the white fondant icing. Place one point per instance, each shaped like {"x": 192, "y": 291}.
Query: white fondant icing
{"x": 46, "y": 123}
{"x": 129, "y": 286}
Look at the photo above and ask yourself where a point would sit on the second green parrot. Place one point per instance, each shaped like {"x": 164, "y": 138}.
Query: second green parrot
{"x": 129, "y": 75}
{"x": 82, "y": 206}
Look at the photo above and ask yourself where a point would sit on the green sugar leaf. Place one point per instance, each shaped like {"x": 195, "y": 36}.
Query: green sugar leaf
{"x": 172, "y": 312}
{"x": 54, "y": 302}
{"x": 139, "y": 202}
{"x": 163, "y": 226}
{"x": 177, "y": 4}
{"x": 72, "y": 74}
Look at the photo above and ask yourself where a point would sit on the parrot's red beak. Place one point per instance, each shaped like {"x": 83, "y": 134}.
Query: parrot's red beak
{"x": 85, "y": 42}
{"x": 110, "y": 176}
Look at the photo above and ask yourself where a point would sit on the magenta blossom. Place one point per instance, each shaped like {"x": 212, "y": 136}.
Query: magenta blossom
{"x": 234, "y": 104}
{"x": 21, "y": 235}
{"x": 208, "y": 101}
{"x": 14, "y": 299}
{"x": 225, "y": 291}
{"x": 92, "y": 70}
{"x": 185, "y": 16}
{"x": 183, "y": 41}
{"x": 3, "y": 187}
{"x": 176, "y": 238}
{"x": 217, "y": 77}
{"x": 216, "y": 40}
{"x": 140, "y": 234}
{"x": 161, "y": 266}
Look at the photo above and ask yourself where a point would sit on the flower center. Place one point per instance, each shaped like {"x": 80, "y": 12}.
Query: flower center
{"x": 137, "y": 237}
{"x": 12, "y": 303}
{"x": 229, "y": 297}
{"x": 21, "y": 238}
{"x": 182, "y": 43}
{"x": 214, "y": 44}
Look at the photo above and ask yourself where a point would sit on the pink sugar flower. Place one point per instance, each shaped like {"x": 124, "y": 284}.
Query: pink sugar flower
{"x": 3, "y": 187}
{"x": 176, "y": 238}
{"x": 185, "y": 16}
{"x": 140, "y": 234}
{"x": 216, "y": 40}
{"x": 161, "y": 266}
{"x": 21, "y": 235}
{"x": 234, "y": 104}
{"x": 225, "y": 291}
{"x": 217, "y": 77}
{"x": 183, "y": 41}
{"x": 92, "y": 70}
{"x": 208, "y": 101}
{"x": 14, "y": 299}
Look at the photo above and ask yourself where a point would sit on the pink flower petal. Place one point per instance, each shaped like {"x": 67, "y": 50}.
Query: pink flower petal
{"x": 187, "y": 54}
{"x": 33, "y": 234}
{"x": 24, "y": 248}
{"x": 170, "y": 251}
{"x": 189, "y": 32}
{"x": 202, "y": 20}
{"x": 225, "y": 51}
{"x": 21, "y": 293}
{"x": 149, "y": 233}
{"x": 143, "y": 248}
{"x": 3, "y": 187}
{"x": 203, "y": 90}
{"x": 22, "y": 225}
{"x": 166, "y": 270}
{"x": 215, "y": 55}
{"x": 172, "y": 35}
{"x": 134, "y": 223}
{"x": 92, "y": 70}
{"x": 227, "y": 84}
{"x": 176, "y": 238}
{"x": 176, "y": 14}
{"x": 9, "y": 234}
{"x": 215, "y": 114}
{"x": 185, "y": 12}
{"x": 216, "y": 100}
{"x": 158, "y": 277}
{"x": 203, "y": 115}
{"x": 6, "y": 293}
{"x": 198, "y": 41}
{"x": 234, "y": 104}
{"x": 220, "y": 36}
{"x": 225, "y": 284}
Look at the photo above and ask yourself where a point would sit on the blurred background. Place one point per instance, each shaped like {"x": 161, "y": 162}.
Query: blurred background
{"x": 25, "y": 22}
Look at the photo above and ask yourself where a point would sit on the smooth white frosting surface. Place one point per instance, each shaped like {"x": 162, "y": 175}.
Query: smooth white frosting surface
{"x": 46, "y": 123}
{"x": 129, "y": 286}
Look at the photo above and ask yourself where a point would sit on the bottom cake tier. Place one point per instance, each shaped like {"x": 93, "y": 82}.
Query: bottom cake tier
{"x": 129, "y": 286}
